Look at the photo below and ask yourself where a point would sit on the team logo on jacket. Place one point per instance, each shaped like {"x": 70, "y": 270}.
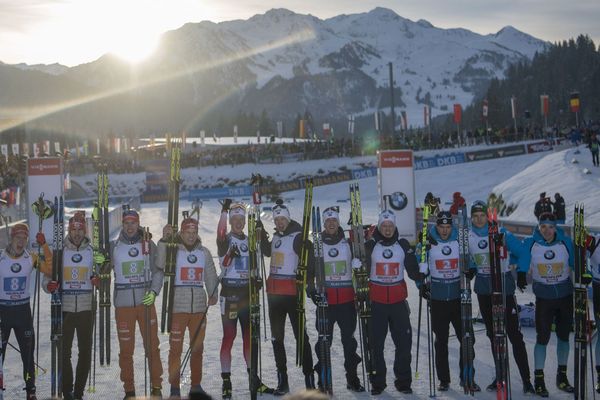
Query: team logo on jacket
{"x": 387, "y": 253}
{"x": 446, "y": 250}
{"x": 76, "y": 258}
{"x": 333, "y": 252}
{"x": 482, "y": 244}
{"x": 16, "y": 267}
{"x": 278, "y": 243}
{"x": 192, "y": 258}
{"x": 549, "y": 255}
{"x": 243, "y": 247}
{"x": 133, "y": 252}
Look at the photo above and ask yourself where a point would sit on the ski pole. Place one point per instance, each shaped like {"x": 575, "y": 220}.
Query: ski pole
{"x": 418, "y": 336}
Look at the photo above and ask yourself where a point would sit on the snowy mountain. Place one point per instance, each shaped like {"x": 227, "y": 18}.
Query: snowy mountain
{"x": 52, "y": 69}
{"x": 286, "y": 62}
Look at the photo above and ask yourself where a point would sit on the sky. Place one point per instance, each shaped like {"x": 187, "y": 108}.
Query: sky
{"x": 73, "y": 32}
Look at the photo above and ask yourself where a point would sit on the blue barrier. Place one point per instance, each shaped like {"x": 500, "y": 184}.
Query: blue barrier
{"x": 439, "y": 161}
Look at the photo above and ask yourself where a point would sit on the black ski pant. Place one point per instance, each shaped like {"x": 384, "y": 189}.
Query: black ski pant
{"x": 396, "y": 318}
{"x": 281, "y": 306}
{"x": 83, "y": 323}
{"x": 549, "y": 311}
{"x": 18, "y": 318}
{"x": 595, "y": 158}
{"x": 345, "y": 316}
{"x": 444, "y": 313}
{"x": 513, "y": 331}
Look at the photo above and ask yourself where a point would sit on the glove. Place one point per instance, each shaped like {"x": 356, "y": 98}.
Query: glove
{"x": 590, "y": 242}
{"x": 225, "y": 206}
{"x": 149, "y": 297}
{"x": 40, "y": 238}
{"x": 521, "y": 280}
{"x": 425, "y": 291}
{"x": 259, "y": 225}
{"x": 423, "y": 268}
{"x": 586, "y": 278}
{"x": 99, "y": 259}
{"x": 470, "y": 274}
{"x": 52, "y": 286}
{"x": 234, "y": 251}
{"x": 313, "y": 294}
{"x": 95, "y": 279}
{"x": 356, "y": 263}
{"x": 211, "y": 301}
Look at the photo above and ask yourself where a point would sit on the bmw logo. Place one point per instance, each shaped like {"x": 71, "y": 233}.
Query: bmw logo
{"x": 446, "y": 250}
{"x": 333, "y": 252}
{"x": 398, "y": 201}
{"x": 16, "y": 267}
{"x": 482, "y": 244}
{"x": 243, "y": 247}
{"x": 76, "y": 258}
{"x": 387, "y": 253}
{"x": 192, "y": 258}
{"x": 278, "y": 243}
{"x": 549, "y": 255}
{"x": 133, "y": 252}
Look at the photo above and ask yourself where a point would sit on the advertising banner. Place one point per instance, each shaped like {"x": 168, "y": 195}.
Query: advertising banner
{"x": 396, "y": 185}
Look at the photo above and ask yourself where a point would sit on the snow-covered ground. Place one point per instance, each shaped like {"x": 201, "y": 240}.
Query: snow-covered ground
{"x": 562, "y": 172}
{"x": 475, "y": 180}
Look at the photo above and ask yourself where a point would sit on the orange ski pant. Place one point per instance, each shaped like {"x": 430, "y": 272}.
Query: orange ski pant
{"x": 126, "y": 319}
{"x": 179, "y": 324}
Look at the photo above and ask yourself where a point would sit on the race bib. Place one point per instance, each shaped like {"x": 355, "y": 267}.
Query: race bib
{"x": 482, "y": 260}
{"x": 191, "y": 275}
{"x": 550, "y": 272}
{"x": 446, "y": 268}
{"x": 277, "y": 260}
{"x": 15, "y": 285}
{"x": 335, "y": 270}
{"x": 132, "y": 270}
{"x": 387, "y": 270}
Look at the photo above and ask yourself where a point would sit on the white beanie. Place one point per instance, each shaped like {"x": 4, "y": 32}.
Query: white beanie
{"x": 279, "y": 210}
{"x": 331, "y": 213}
{"x": 386, "y": 215}
{"x": 237, "y": 209}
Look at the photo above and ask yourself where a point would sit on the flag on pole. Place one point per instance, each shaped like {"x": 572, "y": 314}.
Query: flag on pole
{"x": 513, "y": 107}
{"x": 484, "y": 110}
{"x": 202, "y": 136}
{"x": 426, "y": 115}
{"x": 457, "y": 113}
{"x": 404, "y": 119}
{"x": 235, "y": 134}
{"x": 15, "y": 149}
{"x": 545, "y": 104}
{"x": 279, "y": 129}
{"x": 326, "y": 130}
{"x": 57, "y": 147}
{"x": 574, "y": 102}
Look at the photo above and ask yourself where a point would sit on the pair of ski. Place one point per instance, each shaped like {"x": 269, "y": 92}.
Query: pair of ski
{"x": 430, "y": 346}
{"x": 56, "y": 320}
{"x": 101, "y": 245}
{"x": 582, "y": 325}
{"x": 256, "y": 272}
{"x": 171, "y": 256}
{"x": 360, "y": 281}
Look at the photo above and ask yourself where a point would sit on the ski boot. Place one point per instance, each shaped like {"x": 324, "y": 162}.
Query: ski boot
{"x": 156, "y": 393}
{"x": 226, "y": 388}
{"x": 129, "y": 395}
{"x": 260, "y": 386}
{"x": 492, "y": 387}
{"x": 597, "y": 378}
{"x": 540, "y": 385}
{"x": 196, "y": 390}
{"x": 68, "y": 396}
{"x": 175, "y": 393}
{"x": 309, "y": 381}
{"x": 353, "y": 383}
{"x": 444, "y": 386}
{"x": 474, "y": 386}
{"x": 30, "y": 394}
{"x": 283, "y": 386}
{"x": 561, "y": 380}
{"x": 528, "y": 387}
{"x": 403, "y": 387}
